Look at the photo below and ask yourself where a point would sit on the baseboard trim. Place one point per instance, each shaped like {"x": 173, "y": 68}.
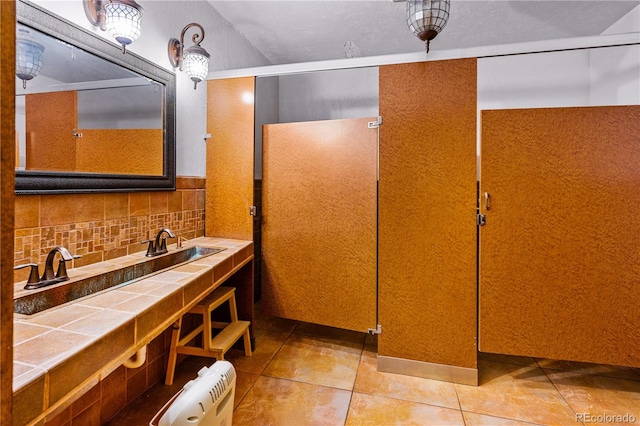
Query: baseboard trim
{"x": 428, "y": 370}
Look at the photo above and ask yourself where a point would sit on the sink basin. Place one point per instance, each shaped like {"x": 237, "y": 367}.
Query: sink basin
{"x": 49, "y": 297}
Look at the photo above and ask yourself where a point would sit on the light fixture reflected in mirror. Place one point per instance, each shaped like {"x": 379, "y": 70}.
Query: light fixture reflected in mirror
{"x": 28, "y": 56}
{"x": 122, "y": 18}
{"x": 427, "y": 18}
{"x": 194, "y": 60}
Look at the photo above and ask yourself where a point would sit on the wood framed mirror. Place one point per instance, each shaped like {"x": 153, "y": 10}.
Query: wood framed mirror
{"x": 93, "y": 119}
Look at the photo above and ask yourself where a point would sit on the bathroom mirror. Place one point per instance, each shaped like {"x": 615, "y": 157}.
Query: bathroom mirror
{"x": 92, "y": 119}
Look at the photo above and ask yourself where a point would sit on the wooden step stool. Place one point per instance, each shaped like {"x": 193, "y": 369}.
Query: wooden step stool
{"x": 211, "y": 346}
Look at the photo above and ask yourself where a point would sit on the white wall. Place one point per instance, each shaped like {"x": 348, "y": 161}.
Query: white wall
{"x": 614, "y": 76}
{"x": 329, "y": 95}
{"x": 597, "y": 76}
{"x": 136, "y": 107}
{"x": 538, "y": 80}
{"x": 266, "y": 112}
{"x": 161, "y": 21}
{"x": 615, "y": 72}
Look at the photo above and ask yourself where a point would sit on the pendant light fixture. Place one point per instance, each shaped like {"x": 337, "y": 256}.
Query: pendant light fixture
{"x": 194, "y": 60}
{"x": 122, "y": 18}
{"x": 427, "y": 18}
{"x": 28, "y": 56}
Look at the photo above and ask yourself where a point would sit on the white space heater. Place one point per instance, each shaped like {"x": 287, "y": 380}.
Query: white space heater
{"x": 206, "y": 400}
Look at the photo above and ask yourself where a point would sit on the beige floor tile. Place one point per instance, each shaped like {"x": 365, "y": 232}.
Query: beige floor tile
{"x": 319, "y": 361}
{"x": 515, "y": 392}
{"x": 244, "y": 382}
{"x": 398, "y": 386}
{"x": 316, "y": 330}
{"x": 587, "y": 368}
{"x": 267, "y": 344}
{"x": 378, "y": 410}
{"x": 276, "y": 402}
{"x": 508, "y": 359}
{"x": 598, "y": 395}
{"x": 473, "y": 419}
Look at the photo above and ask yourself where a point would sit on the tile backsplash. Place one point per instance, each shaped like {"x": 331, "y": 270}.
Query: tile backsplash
{"x": 103, "y": 226}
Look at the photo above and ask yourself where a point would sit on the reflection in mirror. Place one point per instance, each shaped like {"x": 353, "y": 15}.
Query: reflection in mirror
{"x": 81, "y": 113}
{"x": 88, "y": 118}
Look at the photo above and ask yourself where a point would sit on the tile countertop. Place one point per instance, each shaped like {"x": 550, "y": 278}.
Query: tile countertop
{"x": 64, "y": 351}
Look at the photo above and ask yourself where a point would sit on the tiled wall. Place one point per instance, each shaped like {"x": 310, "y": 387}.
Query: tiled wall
{"x": 117, "y": 390}
{"x": 103, "y": 226}
{"x": 100, "y": 227}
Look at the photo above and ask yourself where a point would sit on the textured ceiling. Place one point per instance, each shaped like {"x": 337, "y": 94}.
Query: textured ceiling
{"x": 308, "y": 30}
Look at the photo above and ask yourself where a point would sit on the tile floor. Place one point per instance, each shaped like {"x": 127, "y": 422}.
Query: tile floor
{"x": 304, "y": 374}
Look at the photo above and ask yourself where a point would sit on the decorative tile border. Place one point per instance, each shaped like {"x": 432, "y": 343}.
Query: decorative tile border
{"x": 104, "y": 238}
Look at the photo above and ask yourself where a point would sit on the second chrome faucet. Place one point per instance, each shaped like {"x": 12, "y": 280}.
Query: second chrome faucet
{"x": 159, "y": 245}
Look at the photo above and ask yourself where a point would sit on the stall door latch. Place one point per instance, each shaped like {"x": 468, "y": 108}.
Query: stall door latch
{"x": 481, "y": 220}
{"x": 253, "y": 211}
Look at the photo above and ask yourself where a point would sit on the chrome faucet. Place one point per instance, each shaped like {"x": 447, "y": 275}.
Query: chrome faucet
{"x": 49, "y": 277}
{"x": 159, "y": 245}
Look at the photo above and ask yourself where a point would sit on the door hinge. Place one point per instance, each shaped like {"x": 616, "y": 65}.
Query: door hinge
{"x": 481, "y": 220}
{"x": 377, "y": 330}
{"x": 253, "y": 211}
{"x": 375, "y": 124}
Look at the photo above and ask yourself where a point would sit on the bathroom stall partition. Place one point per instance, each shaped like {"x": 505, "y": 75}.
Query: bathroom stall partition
{"x": 57, "y": 140}
{"x": 559, "y": 258}
{"x": 319, "y": 190}
{"x": 229, "y": 184}
{"x": 427, "y": 220}
{"x": 230, "y": 158}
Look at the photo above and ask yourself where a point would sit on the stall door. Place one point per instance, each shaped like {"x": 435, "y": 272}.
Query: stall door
{"x": 560, "y": 251}
{"x": 51, "y": 119}
{"x": 319, "y": 222}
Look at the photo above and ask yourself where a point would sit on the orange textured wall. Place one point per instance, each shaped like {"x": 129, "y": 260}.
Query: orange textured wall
{"x": 427, "y": 206}
{"x": 560, "y": 264}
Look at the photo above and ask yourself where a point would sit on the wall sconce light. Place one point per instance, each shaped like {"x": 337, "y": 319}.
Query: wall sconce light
{"x": 28, "y": 56}
{"x": 427, "y": 18}
{"x": 194, "y": 59}
{"x": 121, "y": 18}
